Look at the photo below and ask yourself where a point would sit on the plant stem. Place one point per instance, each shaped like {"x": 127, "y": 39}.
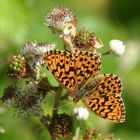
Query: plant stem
{"x": 67, "y": 41}
{"x": 76, "y": 136}
{"x": 64, "y": 97}
{"x": 56, "y": 105}
{"x": 45, "y": 86}
{"x": 57, "y": 100}
{"x": 37, "y": 72}
{"x": 105, "y": 53}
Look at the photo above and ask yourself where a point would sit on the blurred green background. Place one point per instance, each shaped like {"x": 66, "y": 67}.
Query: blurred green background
{"x": 22, "y": 21}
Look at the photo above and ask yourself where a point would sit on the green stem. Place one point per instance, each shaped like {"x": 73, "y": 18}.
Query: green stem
{"x": 56, "y": 105}
{"x": 57, "y": 100}
{"x": 105, "y": 53}
{"x": 64, "y": 97}
{"x": 76, "y": 136}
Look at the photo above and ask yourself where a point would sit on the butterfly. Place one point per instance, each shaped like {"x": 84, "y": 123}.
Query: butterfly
{"x": 79, "y": 74}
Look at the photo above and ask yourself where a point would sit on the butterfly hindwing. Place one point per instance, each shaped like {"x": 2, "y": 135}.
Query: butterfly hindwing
{"x": 105, "y": 100}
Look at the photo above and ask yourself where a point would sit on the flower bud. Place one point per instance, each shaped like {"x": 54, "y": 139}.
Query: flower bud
{"x": 81, "y": 113}
{"x": 116, "y": 47}
{"x": 17, "y": 66}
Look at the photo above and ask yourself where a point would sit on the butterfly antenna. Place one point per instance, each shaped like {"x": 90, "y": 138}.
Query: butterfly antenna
{"x": 63, "y": 105}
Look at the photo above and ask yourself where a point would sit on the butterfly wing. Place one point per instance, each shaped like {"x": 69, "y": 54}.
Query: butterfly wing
{"x": 61, "y": 64}
{"x": 72, "y": 70}
{"x": 105, "y": 100}
{"x": 87, "y": 65}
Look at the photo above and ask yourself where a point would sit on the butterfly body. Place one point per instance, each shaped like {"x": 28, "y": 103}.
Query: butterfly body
{"x": 79, "y": 74}
{"x": 88, "y": 87}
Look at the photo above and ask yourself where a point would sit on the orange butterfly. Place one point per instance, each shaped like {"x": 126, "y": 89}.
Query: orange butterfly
{"x": 79, "y": 74}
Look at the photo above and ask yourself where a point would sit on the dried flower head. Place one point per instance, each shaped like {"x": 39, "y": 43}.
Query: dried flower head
{"x": 61, "y": 20}
{"x": 27, "y": 105}
{"x": 35, "y": 51}
{"x": 86, "y": 40}
{"x": 61, "y": 125}
{"x": 81, "y": 113}
{"x": 10, "y": 93}
{"x": 36, "y": 48}
{"x": 31, "y": 88}
{"x": 17, "y": 66}
{"x": 116, "y": 47}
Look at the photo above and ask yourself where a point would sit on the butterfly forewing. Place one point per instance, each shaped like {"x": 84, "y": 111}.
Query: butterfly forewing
{"x": 106, "y": 102}
{"x": 87, "y": 65}
{"x": 71, "y": 84}
{"x": 61, "y": 64}
{"x": 72, "y": 70}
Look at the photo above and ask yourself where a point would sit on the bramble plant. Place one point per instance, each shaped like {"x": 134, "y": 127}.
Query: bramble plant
{"x": 76, "y": 68}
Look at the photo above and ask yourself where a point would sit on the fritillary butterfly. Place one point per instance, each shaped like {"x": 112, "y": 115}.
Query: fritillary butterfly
{"x": 79, "y": 74}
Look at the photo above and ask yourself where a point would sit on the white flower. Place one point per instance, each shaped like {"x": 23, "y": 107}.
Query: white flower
{"x": 36, "y": 51}
{"x": 62, "y": 21}
{"x": 116, "y": 47}
{"x": 36, "y": 48}
{"x": 81, "y": 113}
{"x": 58, "y": 17}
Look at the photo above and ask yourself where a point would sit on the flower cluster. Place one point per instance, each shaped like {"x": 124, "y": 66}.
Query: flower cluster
{"x": 25, "y": 101}
{"x": 27, "y": 65}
